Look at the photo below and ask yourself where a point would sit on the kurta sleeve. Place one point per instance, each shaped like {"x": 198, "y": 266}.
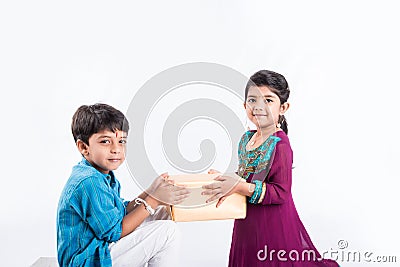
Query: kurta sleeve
{"x": 279, "y": 179}
{"x": 126, "y": 202}
{"x": 99, "y": 207}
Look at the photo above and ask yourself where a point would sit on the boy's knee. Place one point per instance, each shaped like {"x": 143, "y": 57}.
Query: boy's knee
{"x": 170, "y": 229}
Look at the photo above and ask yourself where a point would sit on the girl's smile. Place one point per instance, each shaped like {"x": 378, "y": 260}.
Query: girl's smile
{"x": 262, "y": 106}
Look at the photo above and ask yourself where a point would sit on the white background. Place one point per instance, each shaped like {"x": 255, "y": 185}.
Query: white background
{"x": 341, "y": 61}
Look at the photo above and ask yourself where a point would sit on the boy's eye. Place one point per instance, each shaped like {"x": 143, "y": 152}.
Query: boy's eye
{"x": 267, "y": 100}
{"x": 105, "y": 141}
{"x": 122, "y": 141}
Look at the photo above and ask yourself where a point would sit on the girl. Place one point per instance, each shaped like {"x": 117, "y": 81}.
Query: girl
{"x": 272, "y": 233}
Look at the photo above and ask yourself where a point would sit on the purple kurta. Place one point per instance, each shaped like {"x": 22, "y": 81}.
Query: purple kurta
{"x": 273, "y": 224}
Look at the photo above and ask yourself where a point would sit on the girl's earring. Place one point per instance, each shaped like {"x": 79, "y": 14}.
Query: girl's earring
{"x": 278, "y": 125}
{"x": 247, "y": 126}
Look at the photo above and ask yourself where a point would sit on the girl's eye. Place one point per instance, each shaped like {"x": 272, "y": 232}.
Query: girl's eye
{"x": 251, "y": 100}
{"x": 105, "y": 141}
{"x": 268, "y": 100}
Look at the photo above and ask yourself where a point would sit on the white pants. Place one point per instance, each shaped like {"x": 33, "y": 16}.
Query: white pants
{"x": 155, "y": 243}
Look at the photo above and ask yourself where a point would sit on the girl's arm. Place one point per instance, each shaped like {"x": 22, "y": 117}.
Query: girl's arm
{"x": 225, "y": 186}
{"x": 276, "y": 189}
{"x": 245, "y": 189}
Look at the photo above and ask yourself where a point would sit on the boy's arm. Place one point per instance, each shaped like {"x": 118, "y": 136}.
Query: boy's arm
{"x": 95, "y": 204}
{"x": 137, "y": 214}
{"x": 131, "y": 205}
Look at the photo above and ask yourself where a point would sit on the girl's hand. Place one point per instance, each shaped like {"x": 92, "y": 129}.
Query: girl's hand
{"x": 165, "y": 192}
{"x": 221, "y": 188}
{"x": 212, "y": 171}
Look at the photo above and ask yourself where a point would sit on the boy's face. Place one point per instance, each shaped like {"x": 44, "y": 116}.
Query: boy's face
{"x": 106, "y": 150}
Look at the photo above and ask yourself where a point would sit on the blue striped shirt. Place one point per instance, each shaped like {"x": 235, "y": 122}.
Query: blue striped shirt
{"x": 89, "y": 217}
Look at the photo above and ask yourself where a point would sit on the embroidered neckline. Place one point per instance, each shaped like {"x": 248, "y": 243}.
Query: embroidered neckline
{"x": 257, "y": 159}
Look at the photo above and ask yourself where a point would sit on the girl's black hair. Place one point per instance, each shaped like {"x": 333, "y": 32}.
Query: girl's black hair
{"x": 92, "y": 119}
{"x": 276, "y": 83}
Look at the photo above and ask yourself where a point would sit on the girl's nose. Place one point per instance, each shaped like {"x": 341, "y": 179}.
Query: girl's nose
{"x": 258, "y": 108}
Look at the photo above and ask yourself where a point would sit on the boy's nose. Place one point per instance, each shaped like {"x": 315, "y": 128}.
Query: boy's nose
{"x": 115, "y": 149}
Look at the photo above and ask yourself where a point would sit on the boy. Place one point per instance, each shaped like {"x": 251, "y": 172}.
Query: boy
{"x": 95, "y": 226}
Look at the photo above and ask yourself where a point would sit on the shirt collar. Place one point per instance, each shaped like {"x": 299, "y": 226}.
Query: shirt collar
{"x": 109, "y": 176}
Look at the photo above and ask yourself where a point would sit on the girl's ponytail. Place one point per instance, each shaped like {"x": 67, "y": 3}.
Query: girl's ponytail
{"x": 283, "y": 122}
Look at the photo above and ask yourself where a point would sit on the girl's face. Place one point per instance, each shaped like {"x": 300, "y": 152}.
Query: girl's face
{"x": 263, "y": 107}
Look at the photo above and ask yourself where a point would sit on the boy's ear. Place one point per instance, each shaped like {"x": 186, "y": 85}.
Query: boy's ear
{"x": 82, "y": 147}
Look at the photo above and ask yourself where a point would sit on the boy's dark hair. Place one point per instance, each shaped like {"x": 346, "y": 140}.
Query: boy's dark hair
{"x": 92, "y": 119}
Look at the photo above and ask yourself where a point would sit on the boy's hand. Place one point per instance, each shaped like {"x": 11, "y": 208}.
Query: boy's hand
{"x": 156, "y": 183}
{"x": 165, "y": 192}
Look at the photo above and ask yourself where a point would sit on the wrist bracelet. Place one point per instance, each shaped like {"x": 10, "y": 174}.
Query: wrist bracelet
{"x": 250, "y": 191}
{"x": 264, "y": 188}
{"x": 257, "y": 192}
{"x": 139, "y": 201}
